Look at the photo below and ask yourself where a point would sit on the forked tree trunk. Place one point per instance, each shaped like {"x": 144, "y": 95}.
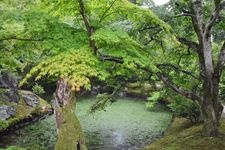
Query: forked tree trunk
{"x": 211, "y": 107}
{"x": 70, "y": 134}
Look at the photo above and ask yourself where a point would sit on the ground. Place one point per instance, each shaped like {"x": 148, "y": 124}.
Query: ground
{"x": 181, "y": 135}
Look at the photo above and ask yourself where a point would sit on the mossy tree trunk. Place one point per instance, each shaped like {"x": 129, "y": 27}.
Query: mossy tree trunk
{"x": 70, "y": 134}
{"x": 211, "y": 107}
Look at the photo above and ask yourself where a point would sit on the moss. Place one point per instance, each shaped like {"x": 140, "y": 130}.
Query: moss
{"x": 4, "y": 102}
{"x": 70, "y": 133}
{"x": 3, "y": 125}
{"x": 23, "y": 111}
{"x": 2, "y": 90}
{"x": 44, "y": 105}
{"x": 181, "y": 135}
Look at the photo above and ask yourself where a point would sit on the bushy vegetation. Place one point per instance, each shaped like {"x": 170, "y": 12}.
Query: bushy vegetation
{"x": 186, "y": 108}
{"x": 178, "y": 105}
{"x": 38, "y": 89}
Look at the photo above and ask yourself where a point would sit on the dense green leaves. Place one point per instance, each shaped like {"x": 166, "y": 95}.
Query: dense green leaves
{"x": 76, "y": 66}
{"x": 30, "y": 35}
{"x": 56, "y": 37}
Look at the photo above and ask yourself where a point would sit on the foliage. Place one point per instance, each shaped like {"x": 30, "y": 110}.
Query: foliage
{"x": 38, "y": 89}
{"x": 102, "y": 101}
{"x": 15, "y": 148}
{"x": 112, "y": 40}
{"x": 186, "y": 108}
{"x": 76, "y": 66}
{"x": 153, "y": 99}
{"x": 222, "y": 90}
{"x": 29, "y": 35}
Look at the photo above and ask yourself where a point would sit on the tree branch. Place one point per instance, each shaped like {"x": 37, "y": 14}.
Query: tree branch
{"x": 215, "y": 15}
{"x": 187, "y": 54}
{"x": 184, "y": 11}
{"x": 191, "y": 44}
{"x": 221, "y": 61}
{"x": 105, "y": 12}
{"x": 185, "y": 14}
{"x": 110, "y": 58}
{"x": 186, "y": 93}
{"x": 176, "y": 68}
{"x": 154, "y": 39}
{"x": 197, "y": 20}
{"x": 89, "y": 28}
{"x": 147, "y": 28}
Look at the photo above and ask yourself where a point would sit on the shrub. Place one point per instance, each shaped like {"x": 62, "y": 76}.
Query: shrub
{"x": 38, "y": 89}
{"x": 186, "y": 108}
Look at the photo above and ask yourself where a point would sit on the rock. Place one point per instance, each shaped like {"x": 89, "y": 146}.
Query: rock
{"x": 95, "y": 90}
{"x": 6, "y": 112}
{"x": 27, "y": 106}
{"x": 147, "y": 87}
{"x": 30, "y": 98}
{"x": 133, "y": 85}
{"x": 9, "y": 95}
{"x": 8, "y": 81}
{"x": 8, "y": 87}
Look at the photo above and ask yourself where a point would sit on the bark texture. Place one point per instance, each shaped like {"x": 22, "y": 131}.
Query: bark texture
{"x": 70, "y": 134}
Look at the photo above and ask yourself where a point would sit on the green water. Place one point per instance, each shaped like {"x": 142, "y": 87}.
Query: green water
{"x": 125, "y": 125}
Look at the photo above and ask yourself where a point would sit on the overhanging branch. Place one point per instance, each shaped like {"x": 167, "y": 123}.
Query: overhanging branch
{"x": 186, "y": 93}
{"x": 177, "y": 68}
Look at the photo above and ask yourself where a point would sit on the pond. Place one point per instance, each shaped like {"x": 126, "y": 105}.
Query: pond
{"x": 125, "y": 125}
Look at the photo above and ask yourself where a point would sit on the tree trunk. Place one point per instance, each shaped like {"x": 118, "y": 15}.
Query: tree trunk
{"x": 211, "y": 107}
{"x": 210, "y": 127}
{"x": 70, "y": 134}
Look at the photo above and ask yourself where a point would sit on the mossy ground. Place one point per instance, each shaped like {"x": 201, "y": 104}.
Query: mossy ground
{"x": 184, "y": 136}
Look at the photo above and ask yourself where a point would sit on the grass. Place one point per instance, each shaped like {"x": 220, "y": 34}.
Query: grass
{"x": 183, "y": 136}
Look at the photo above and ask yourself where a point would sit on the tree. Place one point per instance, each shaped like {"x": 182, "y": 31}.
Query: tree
{"x": 112, "y": 52}
{"x": 204, "y": 21}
